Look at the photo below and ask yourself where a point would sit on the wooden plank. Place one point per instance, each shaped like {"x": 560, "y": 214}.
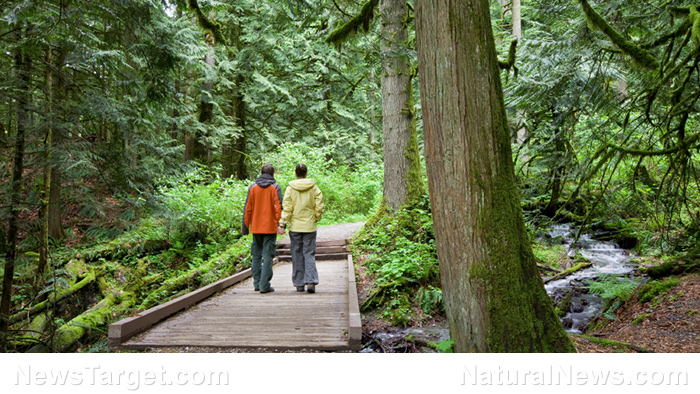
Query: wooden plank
{"x": 319, "y": 250}
{"x": 340, "y": 242}
{"x": 130, "y": 326}
{"x": 285, "y": 319}
{"x": 319, "y": 257}
{"x": 355, "y": 319}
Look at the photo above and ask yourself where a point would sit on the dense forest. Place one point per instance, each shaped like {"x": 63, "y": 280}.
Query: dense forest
{"x": 130, "y": 131}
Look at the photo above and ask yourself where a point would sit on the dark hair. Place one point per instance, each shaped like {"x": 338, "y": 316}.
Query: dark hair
{"x": 300, "y": 170}
{"x": 268, "y": 169}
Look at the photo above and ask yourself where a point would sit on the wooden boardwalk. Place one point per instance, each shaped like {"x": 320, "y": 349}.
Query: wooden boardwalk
{"x": 240, "y": 317}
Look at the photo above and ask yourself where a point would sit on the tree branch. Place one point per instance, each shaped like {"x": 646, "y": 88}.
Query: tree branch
{"x": 363, "y": 19}
{"x": 640, "y": 55}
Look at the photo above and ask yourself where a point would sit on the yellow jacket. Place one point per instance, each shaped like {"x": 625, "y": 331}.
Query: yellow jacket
{"x": 302, "y": 206}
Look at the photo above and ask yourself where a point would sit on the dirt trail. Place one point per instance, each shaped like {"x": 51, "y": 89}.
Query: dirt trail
{"x": 332, "y": 232}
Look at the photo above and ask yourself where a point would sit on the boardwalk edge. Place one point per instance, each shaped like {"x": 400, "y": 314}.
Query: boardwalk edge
{"x": 355, "y": 326}
{"x": 124, "y": 329}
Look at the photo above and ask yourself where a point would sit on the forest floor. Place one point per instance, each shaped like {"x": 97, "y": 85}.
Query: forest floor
{"x": 667, "y": 324}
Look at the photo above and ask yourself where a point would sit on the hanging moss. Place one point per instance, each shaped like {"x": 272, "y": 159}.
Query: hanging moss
{"x": 640, "y": 55}
{"x": 694, "y": 18}
{"x": 207, "y": 24}
{"x": 361, "y": 20}
{"x": 510, "y": 62}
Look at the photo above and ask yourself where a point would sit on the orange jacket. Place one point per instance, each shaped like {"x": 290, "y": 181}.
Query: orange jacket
{"x": 263, "y": 210}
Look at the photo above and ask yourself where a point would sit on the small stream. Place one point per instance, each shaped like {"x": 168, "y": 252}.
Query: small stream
{"x": 607, "y": 258}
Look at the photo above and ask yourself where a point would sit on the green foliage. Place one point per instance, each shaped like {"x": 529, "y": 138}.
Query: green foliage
{"x": 611, "y": 287}
{"x": 201, "y": 206}
{"x": 445, "y": 346}
{"x": 403, "y": 262}
{"x": 550, "y": 256}
{"x": 654, "y": 289}
{"x": 350, "y": 193}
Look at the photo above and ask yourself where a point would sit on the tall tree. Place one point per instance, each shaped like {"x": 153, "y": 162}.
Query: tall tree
{"x": 398, "y": 127}
{"x": 23, "y": 68}
{"x": 494, "y": 296}
{"x": 402, "y": 168}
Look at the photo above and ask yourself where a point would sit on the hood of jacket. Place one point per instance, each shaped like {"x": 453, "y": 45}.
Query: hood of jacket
{"x": 302, "y": 185}
{"x": 265, "y": 180}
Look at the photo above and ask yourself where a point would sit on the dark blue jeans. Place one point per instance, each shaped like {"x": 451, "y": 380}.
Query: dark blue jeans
{"x": 263, "y": 250}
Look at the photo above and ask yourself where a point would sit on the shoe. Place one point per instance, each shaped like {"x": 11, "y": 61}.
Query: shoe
{"x": 311, "y": 288}
{"x": 256, "y": 289}
{"x": 270, "y": 290}
{"x": 300, "y": 289}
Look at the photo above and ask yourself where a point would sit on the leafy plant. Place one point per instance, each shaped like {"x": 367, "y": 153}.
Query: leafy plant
{"x": 611, "y": 287}
{"x": 445, "y": 346}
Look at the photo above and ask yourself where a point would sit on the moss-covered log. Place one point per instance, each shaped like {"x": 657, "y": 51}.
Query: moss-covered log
{"x": 613, "y": 344}
{"x": 120, "y": 248}
{"x": 214, "y": 269}
{"x": 568, "y": 272}
{"x": 97, "y": 317}
{"x": 671, "y": 268}
{"x": 56, "y": 298}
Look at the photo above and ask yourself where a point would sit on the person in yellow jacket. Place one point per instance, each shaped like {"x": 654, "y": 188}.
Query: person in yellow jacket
{"x": 302, "y": 208}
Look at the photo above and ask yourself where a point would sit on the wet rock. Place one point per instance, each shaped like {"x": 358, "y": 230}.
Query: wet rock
{"x": 567, "y": 323}
{"x": 576, "y": 308}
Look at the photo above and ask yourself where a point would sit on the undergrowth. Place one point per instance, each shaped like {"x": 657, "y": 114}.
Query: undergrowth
{"x": 403, "y": 263}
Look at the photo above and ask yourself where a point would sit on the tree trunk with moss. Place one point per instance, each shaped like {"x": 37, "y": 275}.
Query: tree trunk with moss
{"x": 23, "y": 66}
{"x": 234, "y": 151}
{"x": 494, "y": 296}
{"x": 401, "y": 156}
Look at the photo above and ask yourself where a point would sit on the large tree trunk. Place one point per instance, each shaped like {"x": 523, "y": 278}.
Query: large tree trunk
{"x": 59, "y": 89}
{"x": 397, "y": 107}
{"x": 46, "y": 183}
{"x": 235, "y": 152}
{"x": 23, "y": 65}
{"x": 494, "y": 296}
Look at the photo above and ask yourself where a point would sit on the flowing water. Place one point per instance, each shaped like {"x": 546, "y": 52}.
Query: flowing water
{"x": 607, "y": 258}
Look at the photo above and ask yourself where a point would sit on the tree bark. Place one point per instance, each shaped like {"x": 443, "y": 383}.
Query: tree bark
{"x": 55, "y": 208}
{"x": 235, "y": 152}
{"x": 494, "y": 296}
{"x": 46, "y": 183}
{"x": 396, "y": 95}
{"x": 23, "y": 65}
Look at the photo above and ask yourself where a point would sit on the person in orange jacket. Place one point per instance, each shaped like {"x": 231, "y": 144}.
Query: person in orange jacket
{"x": 262, "y": 215}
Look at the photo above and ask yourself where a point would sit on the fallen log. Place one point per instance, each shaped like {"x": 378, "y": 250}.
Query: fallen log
{"x": 568, "y": 272}
{"x": 671, "y": 268}
{"x": 546, "y": 268}
{"x": 98, "y": 316}
{"x": 26, "y": 314}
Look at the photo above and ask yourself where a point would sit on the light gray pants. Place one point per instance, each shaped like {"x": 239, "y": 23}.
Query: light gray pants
{"x": 303, "y": 258}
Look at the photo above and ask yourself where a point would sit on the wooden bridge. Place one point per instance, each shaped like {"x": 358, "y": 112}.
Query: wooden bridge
{"x": 230, "y": 314}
